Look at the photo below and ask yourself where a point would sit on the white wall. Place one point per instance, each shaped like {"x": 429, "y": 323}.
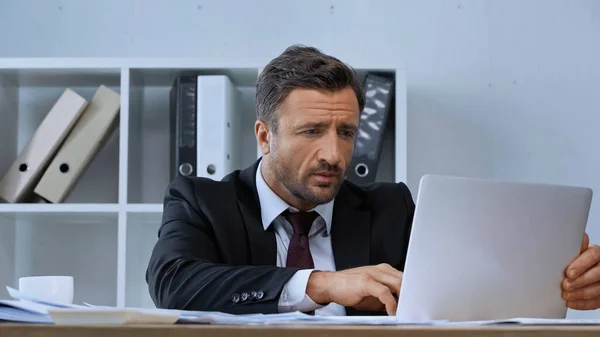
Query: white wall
{"x": 505, "y": 88}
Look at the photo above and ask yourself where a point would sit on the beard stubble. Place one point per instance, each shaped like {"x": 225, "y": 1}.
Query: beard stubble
{"x": 299, "y": 186}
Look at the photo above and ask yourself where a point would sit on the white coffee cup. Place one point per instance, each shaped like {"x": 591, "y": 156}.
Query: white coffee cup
{"x": 49, "y": 288}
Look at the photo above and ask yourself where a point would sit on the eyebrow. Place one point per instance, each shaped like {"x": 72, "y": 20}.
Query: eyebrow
{"x": 347, "y": 126}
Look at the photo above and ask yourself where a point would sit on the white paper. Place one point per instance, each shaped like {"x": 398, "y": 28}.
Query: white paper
{"x": 14, "y": 293}
{"x": 23, "y": 311}
{"x": 346, "y": 320}
{"x": 548, "y": 321}
{"x": 32, "y": 310}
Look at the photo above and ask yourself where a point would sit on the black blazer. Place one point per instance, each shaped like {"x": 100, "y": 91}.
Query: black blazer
{"x": 213, "y": 254}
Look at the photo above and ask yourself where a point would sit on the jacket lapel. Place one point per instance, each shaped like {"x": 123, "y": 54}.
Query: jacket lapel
{"x": 263, "y": 247}
{"x": 350, "y": 231}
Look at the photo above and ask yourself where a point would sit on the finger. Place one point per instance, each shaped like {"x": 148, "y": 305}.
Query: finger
{"x": 585, "y": 242}
{"x": 584, "y": 304}
{"x": 592, "y": 275}
{"x": 390, "y": 280}
{"x": 588, "y": 292}
{"x": 384, "y": 295}
{"x": 389, "y": 269}
{"x": 372, "y": 303}
{"x": 584, "y": 262}
{"x": 386, "y": 268}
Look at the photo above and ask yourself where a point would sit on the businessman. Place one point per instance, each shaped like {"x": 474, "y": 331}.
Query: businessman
{"x": 289, "y": 233}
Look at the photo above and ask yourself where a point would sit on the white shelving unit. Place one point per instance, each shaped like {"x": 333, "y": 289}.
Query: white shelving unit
{"x": 104, "y": 232}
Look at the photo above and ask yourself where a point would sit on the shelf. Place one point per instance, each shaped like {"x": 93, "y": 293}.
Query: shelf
{"x": 27, "y": 95}
{"x": 104, "y": 232}
{"x": 82, "y": 245}
{"x": 6, "y": 209}
{"x": 142, "y": 233}
{"x": 145, "y": 208}
{"x": 149, "y": 152}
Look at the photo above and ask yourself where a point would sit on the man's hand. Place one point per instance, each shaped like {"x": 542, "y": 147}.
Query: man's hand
{"x": 365, "y": 288}
{"x": 581, "y": 287}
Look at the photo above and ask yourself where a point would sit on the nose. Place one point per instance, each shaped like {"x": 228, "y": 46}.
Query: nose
{"x": 330, "y": 150}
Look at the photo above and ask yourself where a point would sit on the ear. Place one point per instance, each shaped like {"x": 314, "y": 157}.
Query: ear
{"x": 263, "y": 136}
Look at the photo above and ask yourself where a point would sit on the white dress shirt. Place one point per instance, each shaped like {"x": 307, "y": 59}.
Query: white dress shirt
{"x": 293, "y": 297}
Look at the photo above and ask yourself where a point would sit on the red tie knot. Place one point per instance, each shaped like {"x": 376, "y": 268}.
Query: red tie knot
{"x": 301, "y": 221}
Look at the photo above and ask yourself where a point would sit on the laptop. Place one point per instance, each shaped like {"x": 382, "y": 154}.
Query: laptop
{"x": 490, "y": 250}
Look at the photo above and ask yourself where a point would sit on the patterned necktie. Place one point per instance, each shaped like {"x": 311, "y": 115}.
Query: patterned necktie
{"x": 298, "y": 255}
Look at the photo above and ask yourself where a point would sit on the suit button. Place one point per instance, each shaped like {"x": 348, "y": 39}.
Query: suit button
{"x": 260, "y": 294}
{"x": 244, "y": 296}
{"x": 253, "y": 294}
{"x": 235, "y": 298}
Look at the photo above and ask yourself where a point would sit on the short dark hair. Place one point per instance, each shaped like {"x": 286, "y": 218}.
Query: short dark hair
{"x": 301, "y": 67}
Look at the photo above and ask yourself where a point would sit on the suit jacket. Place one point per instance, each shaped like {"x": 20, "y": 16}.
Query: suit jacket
{"x": 213, "y": 253}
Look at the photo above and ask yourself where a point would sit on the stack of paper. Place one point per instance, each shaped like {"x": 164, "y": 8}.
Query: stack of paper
{"x": 26, "y": 309}
{"x": 23, "y": 312}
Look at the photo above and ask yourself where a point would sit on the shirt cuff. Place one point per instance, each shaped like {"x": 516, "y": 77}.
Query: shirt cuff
{"x": 293, "y": 296}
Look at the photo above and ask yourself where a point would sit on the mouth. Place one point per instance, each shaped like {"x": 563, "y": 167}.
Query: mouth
{"x": 325, "y": 177}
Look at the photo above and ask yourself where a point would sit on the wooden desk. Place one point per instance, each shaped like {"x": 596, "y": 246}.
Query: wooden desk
{"x": 11, "y": 330}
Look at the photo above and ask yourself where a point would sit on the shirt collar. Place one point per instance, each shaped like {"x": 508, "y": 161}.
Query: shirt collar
{"x": 271, "y": 205}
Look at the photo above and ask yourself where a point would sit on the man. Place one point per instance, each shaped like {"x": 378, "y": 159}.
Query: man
{"x": 289, "y": 233}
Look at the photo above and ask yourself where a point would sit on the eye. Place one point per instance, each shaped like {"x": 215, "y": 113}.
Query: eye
{"x": 348, "y": 134}
{"x": 311, "y": 131}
